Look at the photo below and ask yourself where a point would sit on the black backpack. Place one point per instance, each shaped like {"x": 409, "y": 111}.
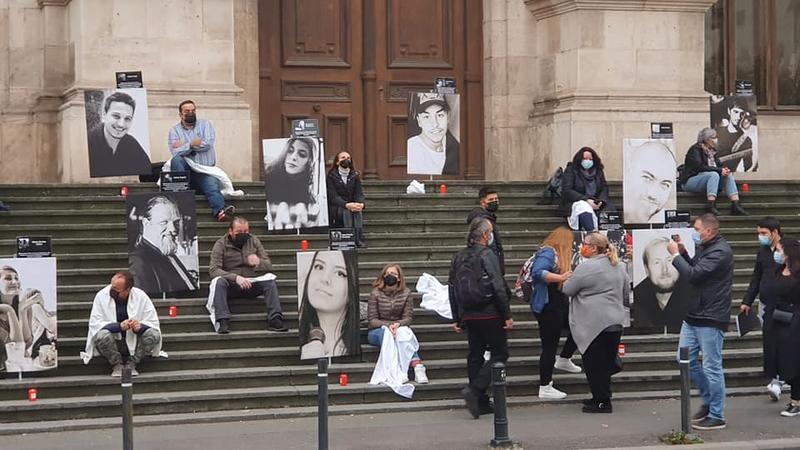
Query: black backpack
{"x": 472, "y": 284}
{"x": 553, "y": 188}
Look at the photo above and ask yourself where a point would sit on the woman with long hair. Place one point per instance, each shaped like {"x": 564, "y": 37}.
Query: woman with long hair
{"x": 584, "y": 190}
{"x": 780, "y": 293}
{"x": 390, "y": 305}
{"x": 292, "y": 188}
{"x": 346, "y": 196}
{"x": 550, "y": 269}
{"x": 328, "y": 307}
{"x": 596, "y": 315}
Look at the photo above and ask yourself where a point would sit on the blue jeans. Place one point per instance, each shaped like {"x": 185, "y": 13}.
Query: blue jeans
{"x": 375, "y": 337}
{"x": 708, "y": 377}
{"x": 201, "y": 183}
{"x": 709, "y": 182}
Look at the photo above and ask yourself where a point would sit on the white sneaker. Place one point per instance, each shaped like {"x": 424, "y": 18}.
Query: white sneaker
{"x": 116, "y": 371}
{"x": 774, "y": 390}
{"x": 419, "y": 374}
{"x": 567, "y": 365}
{"x": 550, "y": 392}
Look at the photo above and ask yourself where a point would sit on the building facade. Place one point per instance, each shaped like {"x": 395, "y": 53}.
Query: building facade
{"x": 538, "y": 78}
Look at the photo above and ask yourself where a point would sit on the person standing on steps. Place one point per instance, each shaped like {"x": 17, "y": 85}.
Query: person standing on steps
{"x": 489, "y": 204}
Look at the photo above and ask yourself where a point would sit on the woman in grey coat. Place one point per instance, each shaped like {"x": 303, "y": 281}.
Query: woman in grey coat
{"x": 596, "y": 315}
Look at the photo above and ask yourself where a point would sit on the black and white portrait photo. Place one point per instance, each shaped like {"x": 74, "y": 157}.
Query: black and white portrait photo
{"x": 660, "y": 296}
{"x": 162, "y": 242}
{"x": 294, "y": 178}
{"x": 118, "y": 133}
{"x": 734, "y": 118}
{"x": 433, "y": 134}
{"x": 648, "y": 183}
{"x": 327, "y": 292}
{"x": 28, "y": 314}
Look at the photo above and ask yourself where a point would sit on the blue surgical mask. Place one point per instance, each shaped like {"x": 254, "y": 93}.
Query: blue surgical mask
{"x": 587, "y": 164}
{"x": 778, "y": 257}
{"x": 696, "y": 237}
{"x": 763, "y": 240}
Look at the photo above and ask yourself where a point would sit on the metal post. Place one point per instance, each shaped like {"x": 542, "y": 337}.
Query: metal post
{"x": 501, "y": 438}
{"x": 683, "y": 362}
{"x": 322, "y": 383}
{"x": 127, "y": 408}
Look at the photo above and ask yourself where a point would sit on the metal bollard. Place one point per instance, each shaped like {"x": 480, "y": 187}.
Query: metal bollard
{"x": 322, "y": 413}
{"x": 501, "y": 438}
{"x": 683, "y": 362}
{"x": 127, "y": 408}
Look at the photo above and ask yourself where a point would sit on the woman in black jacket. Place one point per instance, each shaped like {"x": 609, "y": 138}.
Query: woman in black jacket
{"x": 346, "y": 196}
{"x": 584, "y": 190}
{"x": 781, "y": 294}
{"x": 703, "y": 172}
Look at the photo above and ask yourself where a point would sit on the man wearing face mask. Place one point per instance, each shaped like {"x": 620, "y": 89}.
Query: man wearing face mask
{"x": 769, "y": 234}
{"x": 238, "y": 262}
{"x": 194, "y": 139}
{"x": 489, "y": 204}
{"x": 123, "y": 325}
{"x": 710, "y": 272}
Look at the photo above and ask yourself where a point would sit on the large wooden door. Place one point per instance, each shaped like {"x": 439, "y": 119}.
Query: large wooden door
{"x": 352, "y": 63}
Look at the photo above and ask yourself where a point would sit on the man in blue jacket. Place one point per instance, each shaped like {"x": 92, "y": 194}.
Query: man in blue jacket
{"x": 710, "y": 272}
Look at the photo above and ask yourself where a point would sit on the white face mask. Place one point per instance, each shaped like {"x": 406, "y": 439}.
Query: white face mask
{"x": 491, "y": 239}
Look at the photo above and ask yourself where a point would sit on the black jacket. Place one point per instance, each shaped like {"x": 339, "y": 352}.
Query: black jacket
{"x": 647, "y": 312}
{"x": 781, "y": 340}
{"x": 573, "y": 188}
{"x": 341, "y": 193}
{"x": 696, "y": 162}
{"x": 710, "y": 272}
{"x": 497, "y": 245}
{"x": 765, "y": 265}
{"x": 499, "y": 307}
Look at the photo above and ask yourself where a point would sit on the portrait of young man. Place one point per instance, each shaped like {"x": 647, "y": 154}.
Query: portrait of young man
{"x": 734, "y": 119}
{"x": 433, "y": 137}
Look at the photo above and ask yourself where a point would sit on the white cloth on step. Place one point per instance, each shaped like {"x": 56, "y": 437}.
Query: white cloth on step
{"x": 225, "y": 183}
{"x": 212, "y": 288}
{"x": 393, "y": 360}
{"x": 435, "y": 295}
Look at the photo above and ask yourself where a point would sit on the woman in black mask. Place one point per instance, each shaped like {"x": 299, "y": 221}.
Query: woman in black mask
{"x": 584, "y": 191}
{"x": 390, "y": 305}
{"x": 346, "y": 196}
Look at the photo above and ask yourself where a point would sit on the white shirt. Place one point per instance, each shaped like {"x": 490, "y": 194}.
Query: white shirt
{"x": 423, "y": 160}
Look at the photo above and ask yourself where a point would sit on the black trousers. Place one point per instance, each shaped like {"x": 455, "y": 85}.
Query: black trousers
{"x": 795, "y": 384}
{"x": 483, "y": 335}
{"x": 553, "y": 322}
{"x": 598, "y": 363}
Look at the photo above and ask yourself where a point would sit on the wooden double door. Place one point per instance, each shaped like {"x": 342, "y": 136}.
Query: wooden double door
{"x": 352, "y": 63}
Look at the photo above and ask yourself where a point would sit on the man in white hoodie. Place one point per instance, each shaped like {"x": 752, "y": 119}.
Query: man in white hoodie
{"x": 123, "y": 325}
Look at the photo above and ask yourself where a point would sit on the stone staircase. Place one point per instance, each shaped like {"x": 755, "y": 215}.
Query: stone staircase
{"x": 252, "y": 373}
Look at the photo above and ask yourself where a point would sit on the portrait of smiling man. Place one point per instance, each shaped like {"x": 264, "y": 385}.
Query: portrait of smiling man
{"x": 432, "y": 147}
{"x": 113, "y": 150}
{"x": 649, "y": 180}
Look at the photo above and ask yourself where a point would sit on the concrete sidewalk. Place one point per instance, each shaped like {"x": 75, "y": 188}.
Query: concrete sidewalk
{"x": 753, "y": 422}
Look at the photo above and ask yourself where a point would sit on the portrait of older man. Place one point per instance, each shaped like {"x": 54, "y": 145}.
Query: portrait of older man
{"x": 649, "y": 180}
{"x": 661, "y": 298}
{"x": 113, "y": 151}
{"x": 432, "y": 147}
{"x": 163, "y": 254}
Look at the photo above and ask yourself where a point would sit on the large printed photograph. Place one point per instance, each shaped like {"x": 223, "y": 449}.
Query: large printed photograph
{"x": 735, "y": 119}
{"x": 117, "y": 132}
{"x": 648, "y": 186}
{"x": 162, "y": 242}
{"x": 433, "y": 134}
{"x": 28, "y": 325}
{"x": 327, "y": 293}
{"x": 295, "y": 183}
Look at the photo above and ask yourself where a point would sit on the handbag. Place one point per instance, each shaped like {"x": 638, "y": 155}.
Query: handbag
{"x": 782, "y": 316}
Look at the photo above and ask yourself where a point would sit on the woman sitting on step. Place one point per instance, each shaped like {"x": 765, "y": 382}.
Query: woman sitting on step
{"x": 584, "y": 191}
{"x": 346, "y": 196}
{"x": 390, "y": 305}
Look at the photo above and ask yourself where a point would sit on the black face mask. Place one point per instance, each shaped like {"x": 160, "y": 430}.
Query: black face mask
{"x": 115, "y": 295}
{"x": 492, "y": 206}
{"x": 346, "y": 163}
{"x": 240, "y": 239}
{"x": 190, "y": 118}
{"x": 390, "y": 280}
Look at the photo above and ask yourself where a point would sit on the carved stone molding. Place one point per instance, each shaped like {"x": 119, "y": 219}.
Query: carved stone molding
{"x": 543, "y": 9}
{"x": 43, "y": 3}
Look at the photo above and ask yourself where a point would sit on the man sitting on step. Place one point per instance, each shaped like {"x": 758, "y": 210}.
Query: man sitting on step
{"x": 123, "y": 325}
{"x": 238, "y": 268}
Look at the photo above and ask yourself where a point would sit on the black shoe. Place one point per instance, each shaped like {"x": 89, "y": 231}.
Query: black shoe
{"x": 791, "y": 410}
{"x": 276, "y": 324}
{"x": 737, "y": 210}
{"x": 588, "y": 401}
{"x": 711, "y": 207}
{"x": 224, "y": 326}
{"x": 603, "y": 407}
{"x": 471, "y": 399}
{"x": 701, "y": 414}
{"x": 709, "y": 423}
{"x": 225, "y": 214}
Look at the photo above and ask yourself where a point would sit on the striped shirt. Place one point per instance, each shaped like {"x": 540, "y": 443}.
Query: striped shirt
{"x": 205, "y": 153}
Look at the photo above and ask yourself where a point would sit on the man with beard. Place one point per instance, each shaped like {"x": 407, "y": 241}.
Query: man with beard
{"x": 112, "y": 151}
{"x": 661, "y": 298}
{"x": 434, "y": 151}
{"x": 649, "y": 183}
{"x": 154, "y": 260}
